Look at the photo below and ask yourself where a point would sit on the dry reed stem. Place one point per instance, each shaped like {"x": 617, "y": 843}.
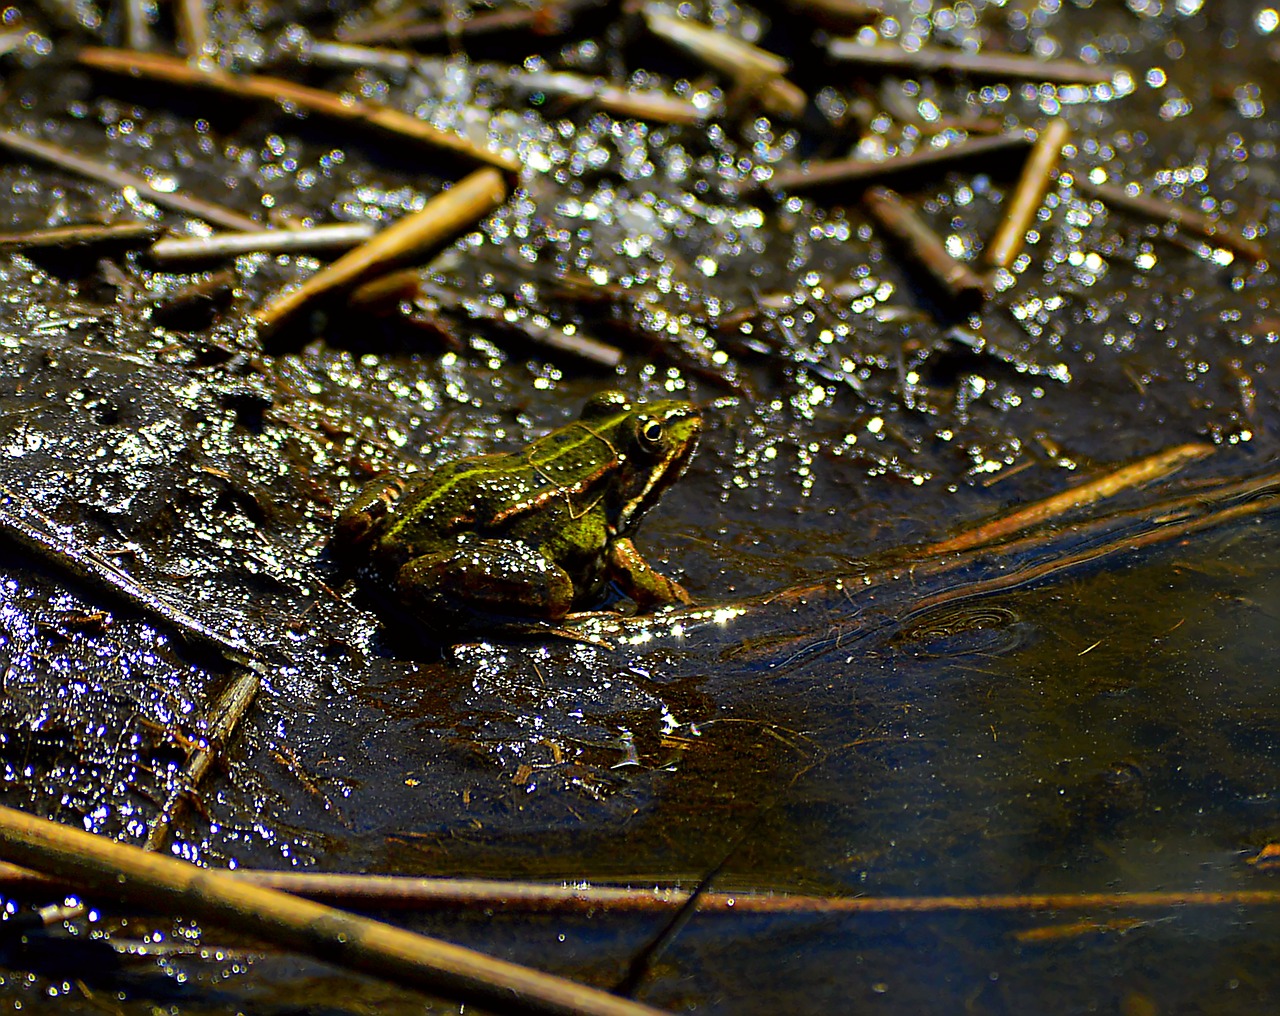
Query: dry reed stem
{"x": 259, "y": 86}
{"x": 1027, "y": 196}
{"x": 225, "y": 718}
{"x": 755, "y": 70}
{"x": 1154, "y": 467}
{"x": 267, "y": 241}
{"x": 102, "y": 867}
{"x": 441, "y": 217}
{"x": 62, "y": 158}
{"x": 193, "y": 28}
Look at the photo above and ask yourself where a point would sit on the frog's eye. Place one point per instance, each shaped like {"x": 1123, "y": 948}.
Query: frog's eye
{"x": 650, "y": 435}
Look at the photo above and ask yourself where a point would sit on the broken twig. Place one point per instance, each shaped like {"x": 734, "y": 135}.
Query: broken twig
{"x": 223, "y": 721}
{"x": 862, "y": 171}
{"x": 1154, "y": 467}
{"x": 89, "y": 235}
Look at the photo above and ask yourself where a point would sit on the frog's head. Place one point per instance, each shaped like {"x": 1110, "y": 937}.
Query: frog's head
{"x": 653, "y": 442}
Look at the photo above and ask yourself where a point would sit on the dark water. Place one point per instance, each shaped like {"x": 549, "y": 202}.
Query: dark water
{"x": 1110, "y": 728}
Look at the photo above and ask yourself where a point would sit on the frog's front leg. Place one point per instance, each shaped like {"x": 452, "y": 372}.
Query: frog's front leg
{"x": 359, "y": 522}
{"x": 499, "y": 577}
{"x": 638, "y": 579}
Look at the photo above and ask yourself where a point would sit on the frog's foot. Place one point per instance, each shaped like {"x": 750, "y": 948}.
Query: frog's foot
{"x": 639, "y": 580}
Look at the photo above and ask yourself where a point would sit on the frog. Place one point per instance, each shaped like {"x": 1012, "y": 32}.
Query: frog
{"x": 532, "y": 536}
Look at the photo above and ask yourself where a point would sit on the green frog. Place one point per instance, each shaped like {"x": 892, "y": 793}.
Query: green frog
{"x": 529, "y": 535}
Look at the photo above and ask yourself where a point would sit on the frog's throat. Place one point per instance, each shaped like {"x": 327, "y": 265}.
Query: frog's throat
{"x": 658, "y": 479}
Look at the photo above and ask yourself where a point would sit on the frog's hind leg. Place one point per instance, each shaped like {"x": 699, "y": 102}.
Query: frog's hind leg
{"x": 505, "y": 578}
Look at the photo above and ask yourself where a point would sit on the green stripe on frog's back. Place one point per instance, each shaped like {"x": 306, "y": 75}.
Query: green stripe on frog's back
{"x": 559, "y": 464}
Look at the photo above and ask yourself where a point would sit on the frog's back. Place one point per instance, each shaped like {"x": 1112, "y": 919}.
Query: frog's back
{"x": 473, "y": 495}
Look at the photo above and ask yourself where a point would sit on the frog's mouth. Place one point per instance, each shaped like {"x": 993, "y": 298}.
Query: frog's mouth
{"x": 661, "y": 477}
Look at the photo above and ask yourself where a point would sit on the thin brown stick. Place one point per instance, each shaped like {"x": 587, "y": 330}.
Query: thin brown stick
{"x": 932, "y": 59}
{"x": 442, "y": 216}
{"x": 1032, "y": 186}
{"x": 60, "y": 157}
{"x": 902, "y": 222}
{"x": 116, "y": 871}
{"x": 861, "y": 171}
{"x": 88, "y": 235}
{"x": 193, "y": 28}
{"x": 392, "y": 892}
{"x": 1154, "y": 467}
{"x": 267, "y": 241}
{"x": 257, "y": 86}
{"x": 224, "y": 720}
{"x": 1214, "y": 230}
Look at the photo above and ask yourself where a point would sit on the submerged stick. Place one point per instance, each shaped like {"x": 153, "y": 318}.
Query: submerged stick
{"x": 1154, "y": 467}
{"x": 131, "y": 875}
{"x": 70, "y": 161}
{"x": 1032, "y": 186}
{"x": 394, "y": 892}
{"x": 441, "y": 217}
{"x": 1216, "y": 231}
{"x": 859, "y": 171}
{"x": 88, "y": 235}
{"x": 932, "y": 59}
{"x": 224, "y": 721}
{"x": 266, "y": 241}
{"x": 259, "y": 86}
{"x": 902, "y": 222}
